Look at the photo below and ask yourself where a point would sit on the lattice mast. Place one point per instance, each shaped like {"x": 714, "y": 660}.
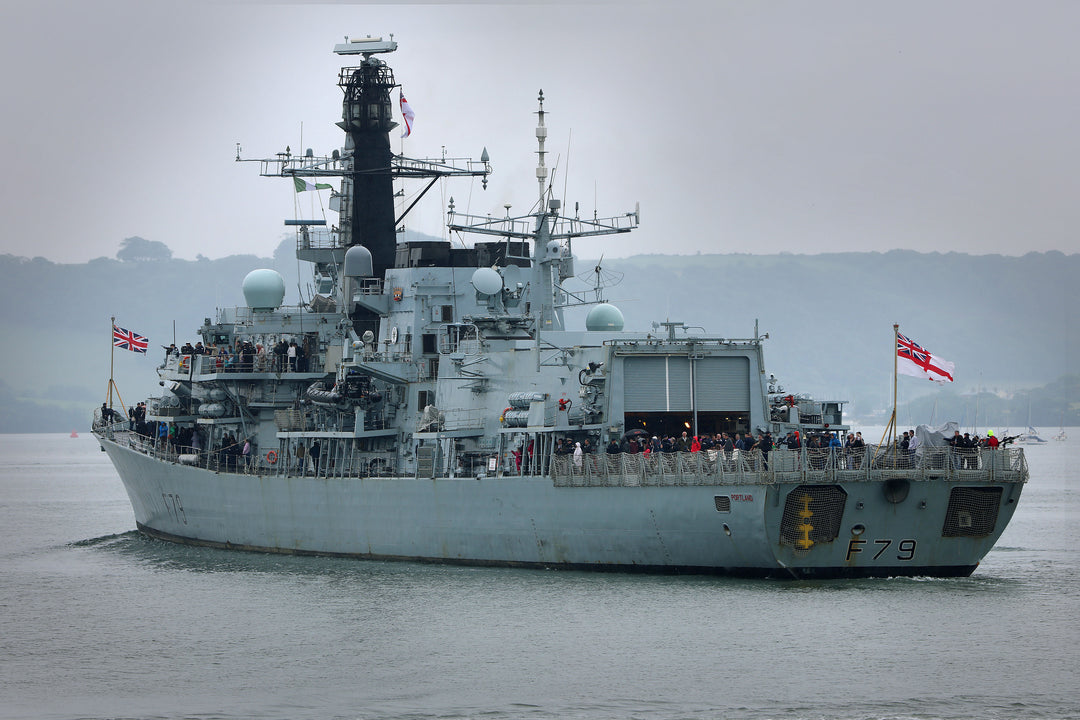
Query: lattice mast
{"x": 541, "y": 136}
{"x": 551, "y": 234}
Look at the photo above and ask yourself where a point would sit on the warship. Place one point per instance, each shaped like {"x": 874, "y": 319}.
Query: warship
{"x": 431, "y": 401}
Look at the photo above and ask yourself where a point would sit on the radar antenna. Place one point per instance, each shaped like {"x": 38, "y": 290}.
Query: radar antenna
{"x": 599, "y": 279}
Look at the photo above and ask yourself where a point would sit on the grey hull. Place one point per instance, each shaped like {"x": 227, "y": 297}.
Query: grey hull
{"x": 531, "y": 522}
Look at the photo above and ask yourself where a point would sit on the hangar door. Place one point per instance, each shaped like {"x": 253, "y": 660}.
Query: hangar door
{"x": 662, "y": 384}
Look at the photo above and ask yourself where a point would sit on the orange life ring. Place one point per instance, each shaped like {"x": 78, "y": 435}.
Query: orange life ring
{"x": 271, "y": 457}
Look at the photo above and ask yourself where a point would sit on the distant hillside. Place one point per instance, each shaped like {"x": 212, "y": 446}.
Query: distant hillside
{"x": 58, "y": 315}
{"x": 1050, "y": 406}
{"x": 1006, "y": 322}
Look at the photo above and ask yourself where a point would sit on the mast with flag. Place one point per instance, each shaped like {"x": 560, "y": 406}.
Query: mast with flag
{"x": 125, "y": 340}
{"x": 910, "y": 358}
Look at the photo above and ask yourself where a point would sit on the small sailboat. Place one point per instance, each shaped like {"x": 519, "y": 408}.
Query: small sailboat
{"x": 1031, "y": 435}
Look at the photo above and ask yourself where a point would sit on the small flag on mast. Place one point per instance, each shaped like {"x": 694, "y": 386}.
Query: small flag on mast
{"x": 408, "y": 115}
{"x": 302, "y": 185}
{"x": 912, "y": 359}
{"x": 127, "y": 340}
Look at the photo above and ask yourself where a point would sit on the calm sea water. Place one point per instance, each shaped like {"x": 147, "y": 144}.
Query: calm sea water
{"x": 99, "y": 622}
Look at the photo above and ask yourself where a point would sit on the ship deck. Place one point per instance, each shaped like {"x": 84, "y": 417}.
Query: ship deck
{"x": 708, "y": 467}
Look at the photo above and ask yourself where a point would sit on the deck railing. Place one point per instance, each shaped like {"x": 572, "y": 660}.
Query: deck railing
{"x": 333, "y": 460}
{"x": 824, "y": 465}
{"x": 708, "y": 467}
{"x": 209, "y": 364}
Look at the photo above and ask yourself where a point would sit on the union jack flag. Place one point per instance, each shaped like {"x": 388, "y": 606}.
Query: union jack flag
{"x": 915, "y": 360}
{"x": 127, "y": 340}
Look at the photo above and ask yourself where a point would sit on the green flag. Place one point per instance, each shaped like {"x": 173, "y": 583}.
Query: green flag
{"x": 302, "y": 185}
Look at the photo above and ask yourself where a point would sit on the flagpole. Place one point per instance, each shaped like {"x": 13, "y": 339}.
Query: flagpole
{"x": 112, "y": 382}
{"x": 896, "y": 337}
{"x": 112, "y": 356}
{"x": 887, "y": 435}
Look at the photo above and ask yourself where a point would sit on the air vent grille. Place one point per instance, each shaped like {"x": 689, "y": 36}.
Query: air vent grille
{"x": 812, "y": 514}
{"x": 972, "y": 511}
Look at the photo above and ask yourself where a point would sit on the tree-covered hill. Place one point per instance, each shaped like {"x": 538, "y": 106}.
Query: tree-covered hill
{"x": 1006, "y": 322}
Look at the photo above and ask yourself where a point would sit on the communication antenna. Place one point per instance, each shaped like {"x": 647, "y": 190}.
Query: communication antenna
{"x": 566, "y": 169}
{"x": 541, "y": 136}
{"x": 600, "y": 279}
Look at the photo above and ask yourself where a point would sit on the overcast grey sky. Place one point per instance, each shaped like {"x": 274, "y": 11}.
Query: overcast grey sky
{"x": 739, "y": 126}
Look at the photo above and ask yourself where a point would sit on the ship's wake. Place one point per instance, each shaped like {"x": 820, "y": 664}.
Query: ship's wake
{"x": 105, "y": 539}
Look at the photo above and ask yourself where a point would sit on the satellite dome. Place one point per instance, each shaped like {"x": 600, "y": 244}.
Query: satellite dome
{"x": 264, "y": 289}
{"x": 487, "y": 281}
{"x": 604, "y": 317}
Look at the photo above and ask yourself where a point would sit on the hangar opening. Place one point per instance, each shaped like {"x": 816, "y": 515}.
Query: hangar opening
{"x": 661, "y": 394}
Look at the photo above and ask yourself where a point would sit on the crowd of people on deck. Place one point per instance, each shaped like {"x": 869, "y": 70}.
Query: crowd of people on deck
{"x": 640, "y": 442}
{"x": 246, "y": 356}
{"x": 969, "y": 444}
{"x": 823, "y": 449}
{"x": 732, "y": 445}
{"x": 908, "y": 443}
{"x": 230, "y": 452}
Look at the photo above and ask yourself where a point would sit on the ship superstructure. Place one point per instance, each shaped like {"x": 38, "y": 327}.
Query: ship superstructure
{"x": 429, "y": 401}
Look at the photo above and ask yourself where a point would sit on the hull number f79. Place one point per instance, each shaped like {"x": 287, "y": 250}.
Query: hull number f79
{"x": 904, "y": 549}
